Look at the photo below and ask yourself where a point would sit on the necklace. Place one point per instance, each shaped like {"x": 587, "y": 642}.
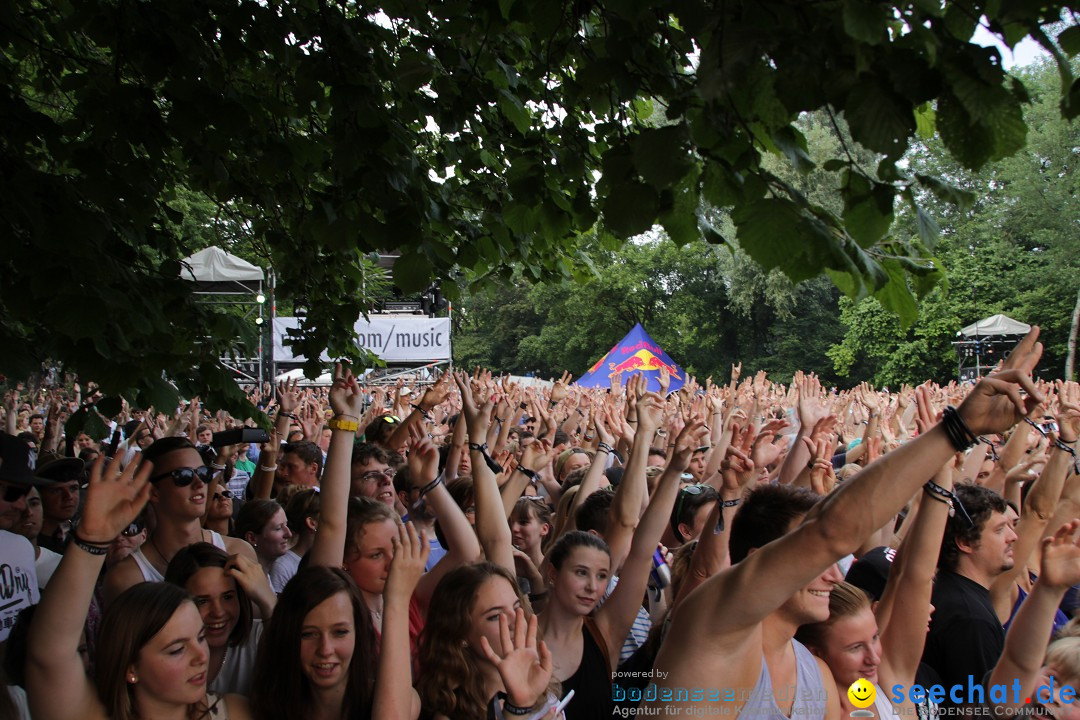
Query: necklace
{"x": 161, "y": 555}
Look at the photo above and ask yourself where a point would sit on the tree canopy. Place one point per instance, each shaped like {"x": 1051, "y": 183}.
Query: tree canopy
{"x": 476, "y": 139}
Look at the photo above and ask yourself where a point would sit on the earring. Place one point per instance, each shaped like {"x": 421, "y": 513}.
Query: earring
{"x": 464, "y": 643}
{"x": 133, "y": 679}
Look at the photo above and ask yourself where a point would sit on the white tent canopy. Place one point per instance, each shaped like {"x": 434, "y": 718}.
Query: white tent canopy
{"x": 220, "y": 271}
{"x": 996, "y": 325}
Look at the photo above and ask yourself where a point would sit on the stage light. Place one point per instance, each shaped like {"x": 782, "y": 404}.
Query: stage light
{"x": 260, "y": 298}
{"x": 258, "y": 321}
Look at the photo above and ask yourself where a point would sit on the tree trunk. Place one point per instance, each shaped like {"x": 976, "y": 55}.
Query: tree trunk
{"x": 1070, "y": 361}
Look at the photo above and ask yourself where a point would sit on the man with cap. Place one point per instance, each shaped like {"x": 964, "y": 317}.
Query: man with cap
{"x": 19, "y": 588}
{"x": 59, "y": 501}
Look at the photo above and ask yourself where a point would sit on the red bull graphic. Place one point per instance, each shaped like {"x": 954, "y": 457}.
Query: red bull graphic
{"x": 636, "y": 353}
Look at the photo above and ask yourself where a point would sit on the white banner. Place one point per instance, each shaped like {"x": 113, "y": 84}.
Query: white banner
{"x": 394, "y": 338}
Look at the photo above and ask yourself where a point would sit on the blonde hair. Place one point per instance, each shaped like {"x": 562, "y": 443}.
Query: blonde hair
{"x": 845, "y": 600}
{"x": 1064, "y": 656}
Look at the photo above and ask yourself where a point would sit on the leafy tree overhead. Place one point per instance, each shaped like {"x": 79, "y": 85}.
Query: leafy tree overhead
{"x": 467, "y": 136}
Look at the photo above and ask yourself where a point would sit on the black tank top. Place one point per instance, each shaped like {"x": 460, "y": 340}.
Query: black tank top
{"x": 592, "y": 681}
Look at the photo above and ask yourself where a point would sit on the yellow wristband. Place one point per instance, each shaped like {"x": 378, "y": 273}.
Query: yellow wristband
{"x": 346, "y": 425}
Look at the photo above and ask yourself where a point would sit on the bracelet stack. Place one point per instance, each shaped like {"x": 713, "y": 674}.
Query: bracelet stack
{"x": 959, "y": 433}
{"x": 948, "y": 497}
{"x": 1065, "y": 447}
{"x": 604, "y": 447}
{"x": 431, "y": 485}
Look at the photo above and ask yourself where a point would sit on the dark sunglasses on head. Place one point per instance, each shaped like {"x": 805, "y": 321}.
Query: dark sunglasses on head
{"x": 182, "y": 477}
{"x": 13, "y": 493}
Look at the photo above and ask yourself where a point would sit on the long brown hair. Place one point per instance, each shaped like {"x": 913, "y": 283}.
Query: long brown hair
{"x": 284, "y": 692}
{"x": 193, "y": 558}
{"x": 451, "y": 681}
{"x": 130, "y": 622}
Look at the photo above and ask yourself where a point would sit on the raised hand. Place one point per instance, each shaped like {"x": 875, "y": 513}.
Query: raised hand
{"x": 561, "y": 387}
{"x": 1061, "y": 557}
{"x": 288, "y": 396}
{"x": 346, "y": 397}
{"x": 995, "y": 404}
{"x": 411, "y": 550}
{"x": 113, "y": 499}
{"x": 525, "y": 664}
{"x": 436, "y": 394}
{"x": 650, "y": 409}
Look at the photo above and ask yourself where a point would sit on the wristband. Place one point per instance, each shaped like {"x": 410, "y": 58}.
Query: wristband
{"x": 89, "y": 547}
{"x": 421, "y": 410}
{"x": 288, "y": 415}
{"x": 1060, "y": 445}
{"x": 603, "y": 446}
{"x": 949, "y": 498}
{"x": 959, "y": 433}
{"x": 268, "y": 469}
{"x": 720, "y": 520}
{"x": 431, "y": 485}
{"x": 482, "y": 448}
{"x": 215, "y": 466}
{"x": 531, "y": 474}
{"x": 512, "y": 709}
{"x": 346, "y": 425}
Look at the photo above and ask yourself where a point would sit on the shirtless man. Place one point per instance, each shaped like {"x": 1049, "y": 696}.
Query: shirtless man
{"x": 736, "y": 629}
{"x": 178, "y": 498}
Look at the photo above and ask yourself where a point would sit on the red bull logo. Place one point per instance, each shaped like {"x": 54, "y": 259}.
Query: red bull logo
{"x": 600, "y": 362}
{"x": 643, "y": 360}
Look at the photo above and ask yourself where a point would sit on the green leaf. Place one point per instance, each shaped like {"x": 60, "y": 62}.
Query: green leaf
{"x": 793, "y": 144}
{"x": 925, "y": 121}
{"x": 661, "y": 155}
{"x": 834, "y": 164}
{"x": 879, "y": 119}
{"x": 927, "y": 228}
{"x": 1069, "y": 40}
{"x": 1070, "y": 104}
{"x": 513, "y": 110}
{"x": 630, "y": 208}
{"x": 868, "y": 217}
{"x": 774, "y": 233}
{"x": 412, "y": 272}
{"x": 945, "y": 192}
{"x": 864, "y": 21}
{"x": 896, "y": 295}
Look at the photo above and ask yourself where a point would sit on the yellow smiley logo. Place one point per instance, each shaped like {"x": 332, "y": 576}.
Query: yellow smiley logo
{"x": 862, "y": 693}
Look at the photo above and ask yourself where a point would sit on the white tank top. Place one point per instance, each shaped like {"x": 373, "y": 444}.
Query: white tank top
{"x": 151, "y": 574}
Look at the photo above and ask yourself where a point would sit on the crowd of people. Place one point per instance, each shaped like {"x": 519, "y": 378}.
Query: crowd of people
{"x": 478, "y": 549}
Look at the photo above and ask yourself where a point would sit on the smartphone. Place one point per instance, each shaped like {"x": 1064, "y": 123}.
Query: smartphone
{"x": 239, "y": 437}
{"x": 1048, "y": 427}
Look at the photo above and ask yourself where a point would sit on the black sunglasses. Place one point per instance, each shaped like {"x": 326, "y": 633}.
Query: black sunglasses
{"x": 182, "y": 477}
{"x": 224, "y": 494}
{"x": 133, "y": 529}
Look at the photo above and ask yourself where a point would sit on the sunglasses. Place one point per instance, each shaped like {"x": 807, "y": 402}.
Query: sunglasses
{"x": 688, "y": 490}
{"x": 182, "y": 477}
{"x": 223, "y": 495}
{"x": 133, "y": 529}
{"x": 14, "y": 493}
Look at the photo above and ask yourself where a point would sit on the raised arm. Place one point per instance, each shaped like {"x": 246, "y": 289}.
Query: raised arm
{"x": 462, "y": 546}
{"x": 591, "y": 482}
{"x": 904, "y": 609}
{"x": 616, "y": 615}
{"x": 113, "y": 500}
{"x": 763, "y": 581}
{"x": 632, "y": 492}
{"x": 394, "y": 696}
{"x": 1025, "y": 643}
{"x": 491, "y": 526}
{"x": 347, "y": 402}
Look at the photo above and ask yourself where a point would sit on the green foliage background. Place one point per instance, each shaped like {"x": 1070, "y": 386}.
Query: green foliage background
{"x": 1014, "y": 250}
